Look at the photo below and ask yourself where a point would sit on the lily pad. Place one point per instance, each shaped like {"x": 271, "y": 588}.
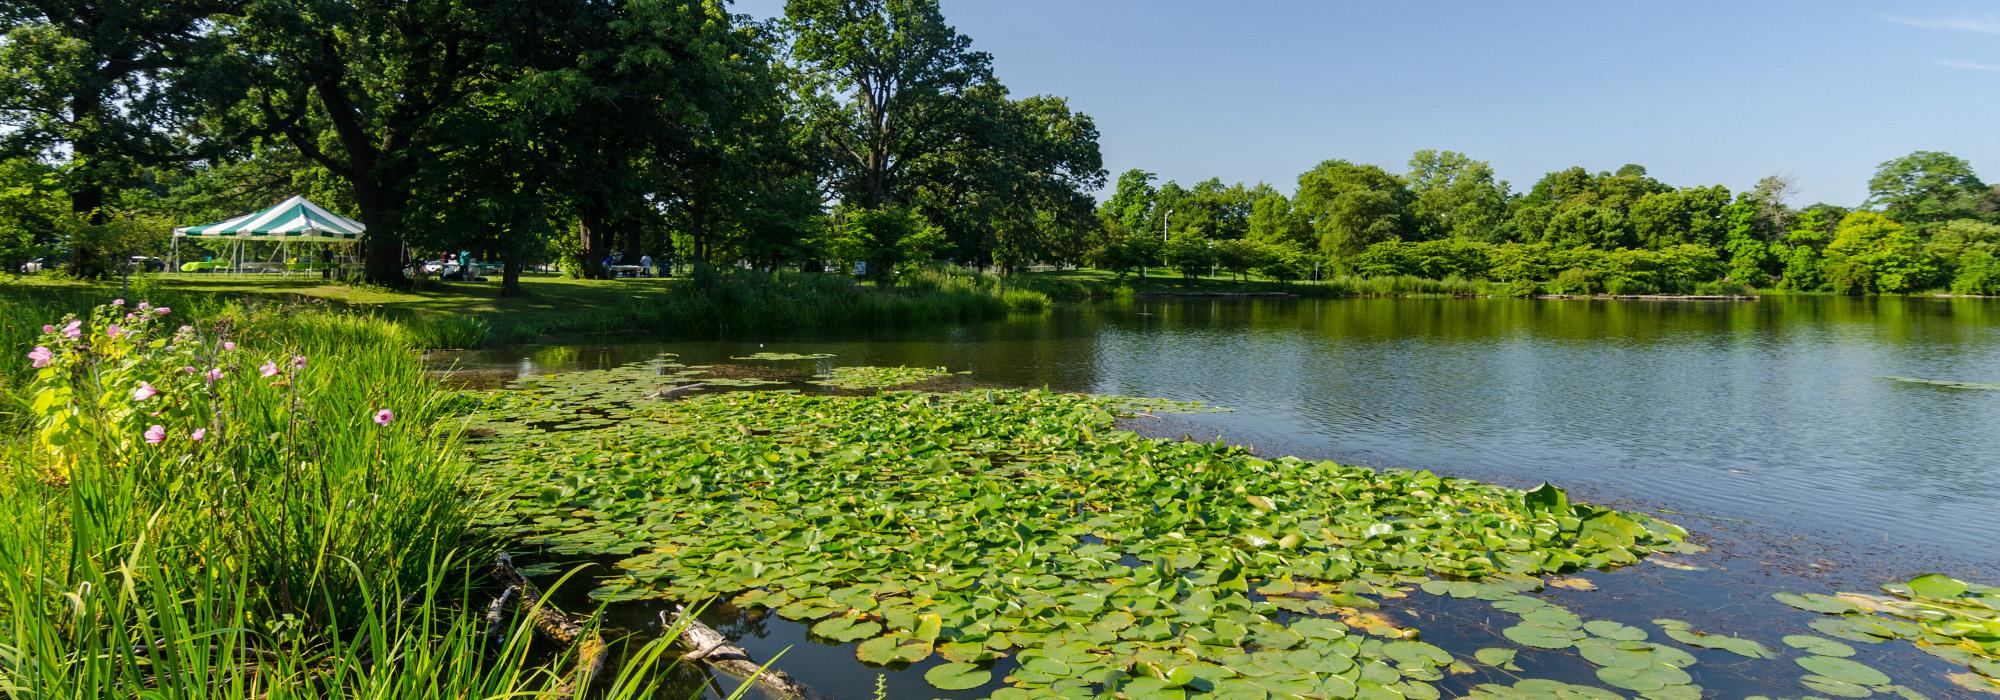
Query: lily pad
{"x": 1937, "y": 586}
{"x": 1541, "y": 637}
{"x": 1815, "y": 602}
{"x": 1841, "y": 669}
{"x": 957, "y": 676}
{"x": 1643, "y": 679}
{"x": 1495, "y": 656}
{"x": 1820, "y": 646}
{"x": 846, "y": 629}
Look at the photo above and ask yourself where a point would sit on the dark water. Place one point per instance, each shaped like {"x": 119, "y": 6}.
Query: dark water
{"x": 1771, "y": 428}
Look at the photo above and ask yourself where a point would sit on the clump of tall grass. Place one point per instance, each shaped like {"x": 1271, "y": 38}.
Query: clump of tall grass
{"x": 1399, "y": 286}
{"x": 450, "y": 332}
{"x": 728, "y": 301}
{"x": 264, "y": 505}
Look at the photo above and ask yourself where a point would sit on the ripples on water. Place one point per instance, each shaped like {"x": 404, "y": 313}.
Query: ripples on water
{"x": 1777, "y": 414}
{"x": 1772, "y": 428}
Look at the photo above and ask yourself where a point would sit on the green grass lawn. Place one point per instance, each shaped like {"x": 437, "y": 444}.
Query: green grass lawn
{"x": 547, "y": 295}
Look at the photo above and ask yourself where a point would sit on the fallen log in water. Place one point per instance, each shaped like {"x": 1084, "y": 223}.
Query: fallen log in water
{"x": 708, "y": 647}
{"x": 591, "y": 651}
{"x": 704, "y": 645}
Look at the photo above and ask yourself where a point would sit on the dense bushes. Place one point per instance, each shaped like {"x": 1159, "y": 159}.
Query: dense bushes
{"x": 1865, "y": 253}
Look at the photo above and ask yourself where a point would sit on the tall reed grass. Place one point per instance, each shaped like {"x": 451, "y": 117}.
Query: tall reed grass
{"x": 735, "y": 301}
{"x": 262, "y": 504}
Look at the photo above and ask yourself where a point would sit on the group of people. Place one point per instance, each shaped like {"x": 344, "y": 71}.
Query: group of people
{"x": 645, "y": 266}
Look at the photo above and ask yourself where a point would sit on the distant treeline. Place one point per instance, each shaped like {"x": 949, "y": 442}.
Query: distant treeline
{"x": 845, "y": 131}
{"x": 1929, "y": 223}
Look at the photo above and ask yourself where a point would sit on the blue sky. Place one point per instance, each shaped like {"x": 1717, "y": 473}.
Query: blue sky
{"x": 1698, "y": 92}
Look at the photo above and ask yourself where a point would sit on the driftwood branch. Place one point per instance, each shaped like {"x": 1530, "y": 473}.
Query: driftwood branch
{"x": 709, "y": 648}
{"x": 591, "y": 651}
{"x": 704, "y": 645}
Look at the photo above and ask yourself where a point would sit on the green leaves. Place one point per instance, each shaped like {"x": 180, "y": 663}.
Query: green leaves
{"x": 1680, "y": 631}
{"x": 1815, "y": 602}
{"x": 1547, "y": 499}
{"x": 1845, "y": 670}
{"x": 1938, "y": 586}
{"x": 957, "y": 676}
{"x": 846, "y": 629}
{"x": 1818, "y": 645}
{"x": 981, "y": 525}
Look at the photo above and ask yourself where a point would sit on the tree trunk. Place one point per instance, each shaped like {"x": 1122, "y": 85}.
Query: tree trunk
{"x": 634, "y": 236}
{"x": 86, "y": 193}
{"x": 382, "y": 245}
{"x": 592, "y": 229}
{"x": 85, "y": 260}
{"x": 510, "y": 277}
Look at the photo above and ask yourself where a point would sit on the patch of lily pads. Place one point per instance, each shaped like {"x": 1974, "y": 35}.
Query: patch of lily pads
{"x": 783, "y": 356}
{"x": 1947, "y": 383}
{"x": 862, "y": 377}
{"x": 1948, "y": 618}
{"x": 977, "y": 525}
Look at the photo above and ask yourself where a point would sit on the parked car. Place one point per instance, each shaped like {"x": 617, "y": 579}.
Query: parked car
{"x": 147, "y": 263}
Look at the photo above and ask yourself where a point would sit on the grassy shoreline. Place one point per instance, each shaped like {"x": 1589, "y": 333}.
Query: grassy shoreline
{"x": 453, "y": 315}
{"x": 229, "y": 500}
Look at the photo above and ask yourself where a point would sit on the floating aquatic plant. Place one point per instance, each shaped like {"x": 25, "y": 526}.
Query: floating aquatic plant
{"x": 980, "y": 524}
{"x": 879, "y": 377}
{"x": 783, "y": 356}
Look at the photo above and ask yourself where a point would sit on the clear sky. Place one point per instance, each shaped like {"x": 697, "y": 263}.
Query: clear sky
{"x": 1699, "y": 92}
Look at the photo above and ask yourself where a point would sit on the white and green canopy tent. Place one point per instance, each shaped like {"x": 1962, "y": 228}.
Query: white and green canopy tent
{"x": 294, "y": 220}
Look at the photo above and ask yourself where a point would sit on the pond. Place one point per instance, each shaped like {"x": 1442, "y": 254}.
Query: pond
{"x": 1807, "y": 440}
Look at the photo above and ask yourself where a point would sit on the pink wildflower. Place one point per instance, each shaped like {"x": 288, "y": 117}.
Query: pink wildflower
{"x": 162, "y": 311}
{"x": 189, "y": 370}
{"x": 299, "y": 361}
{"x": 46, "y": 328}
{"x": 383, "y": 417}
{"x": 74, "y": 329}
{"x": 214, "y": 374}
{"x": 198, "y": 434}
{"x": 229, "y": 345}
{"x": 145, "y": 305}
{"x": 156, "y": 435}
{"x": 118, "y": 302}
{"x": 114, "y": 331}
{"x": 40, "y": 356}
{"x": 268, "y": 369}
{"x": 145, "y": 391}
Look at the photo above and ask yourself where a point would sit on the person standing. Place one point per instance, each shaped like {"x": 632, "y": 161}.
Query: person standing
{"x": 645, "y": 265}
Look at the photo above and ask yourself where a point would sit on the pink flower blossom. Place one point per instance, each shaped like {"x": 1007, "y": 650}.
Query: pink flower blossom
{"x": 46, "y": 328}
{"x": 162, "y": 311}
{"x": 40, "y": 356}
{"x": 229, "y": 345}
{"x": 268, "y": 369}
{"x": 189, "y": 370}
{"x": 145, "y": 305}
{"x": 214, "y": 374}
{"x": 383, "y": 417}
{"x": 156, "y": 435}
{"x": 114, "y": 331}
{"x": 74, "y": 329}
{"x": 198, "y": 434}
{"x": 117, "y": 302}
{"x": 145, "y": 391}
{"x": 299, "y": 361}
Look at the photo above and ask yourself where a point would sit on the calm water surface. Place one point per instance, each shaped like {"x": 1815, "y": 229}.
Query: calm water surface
{"x": 1777, "y": 415}
{"x": 1774, "y": 428}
